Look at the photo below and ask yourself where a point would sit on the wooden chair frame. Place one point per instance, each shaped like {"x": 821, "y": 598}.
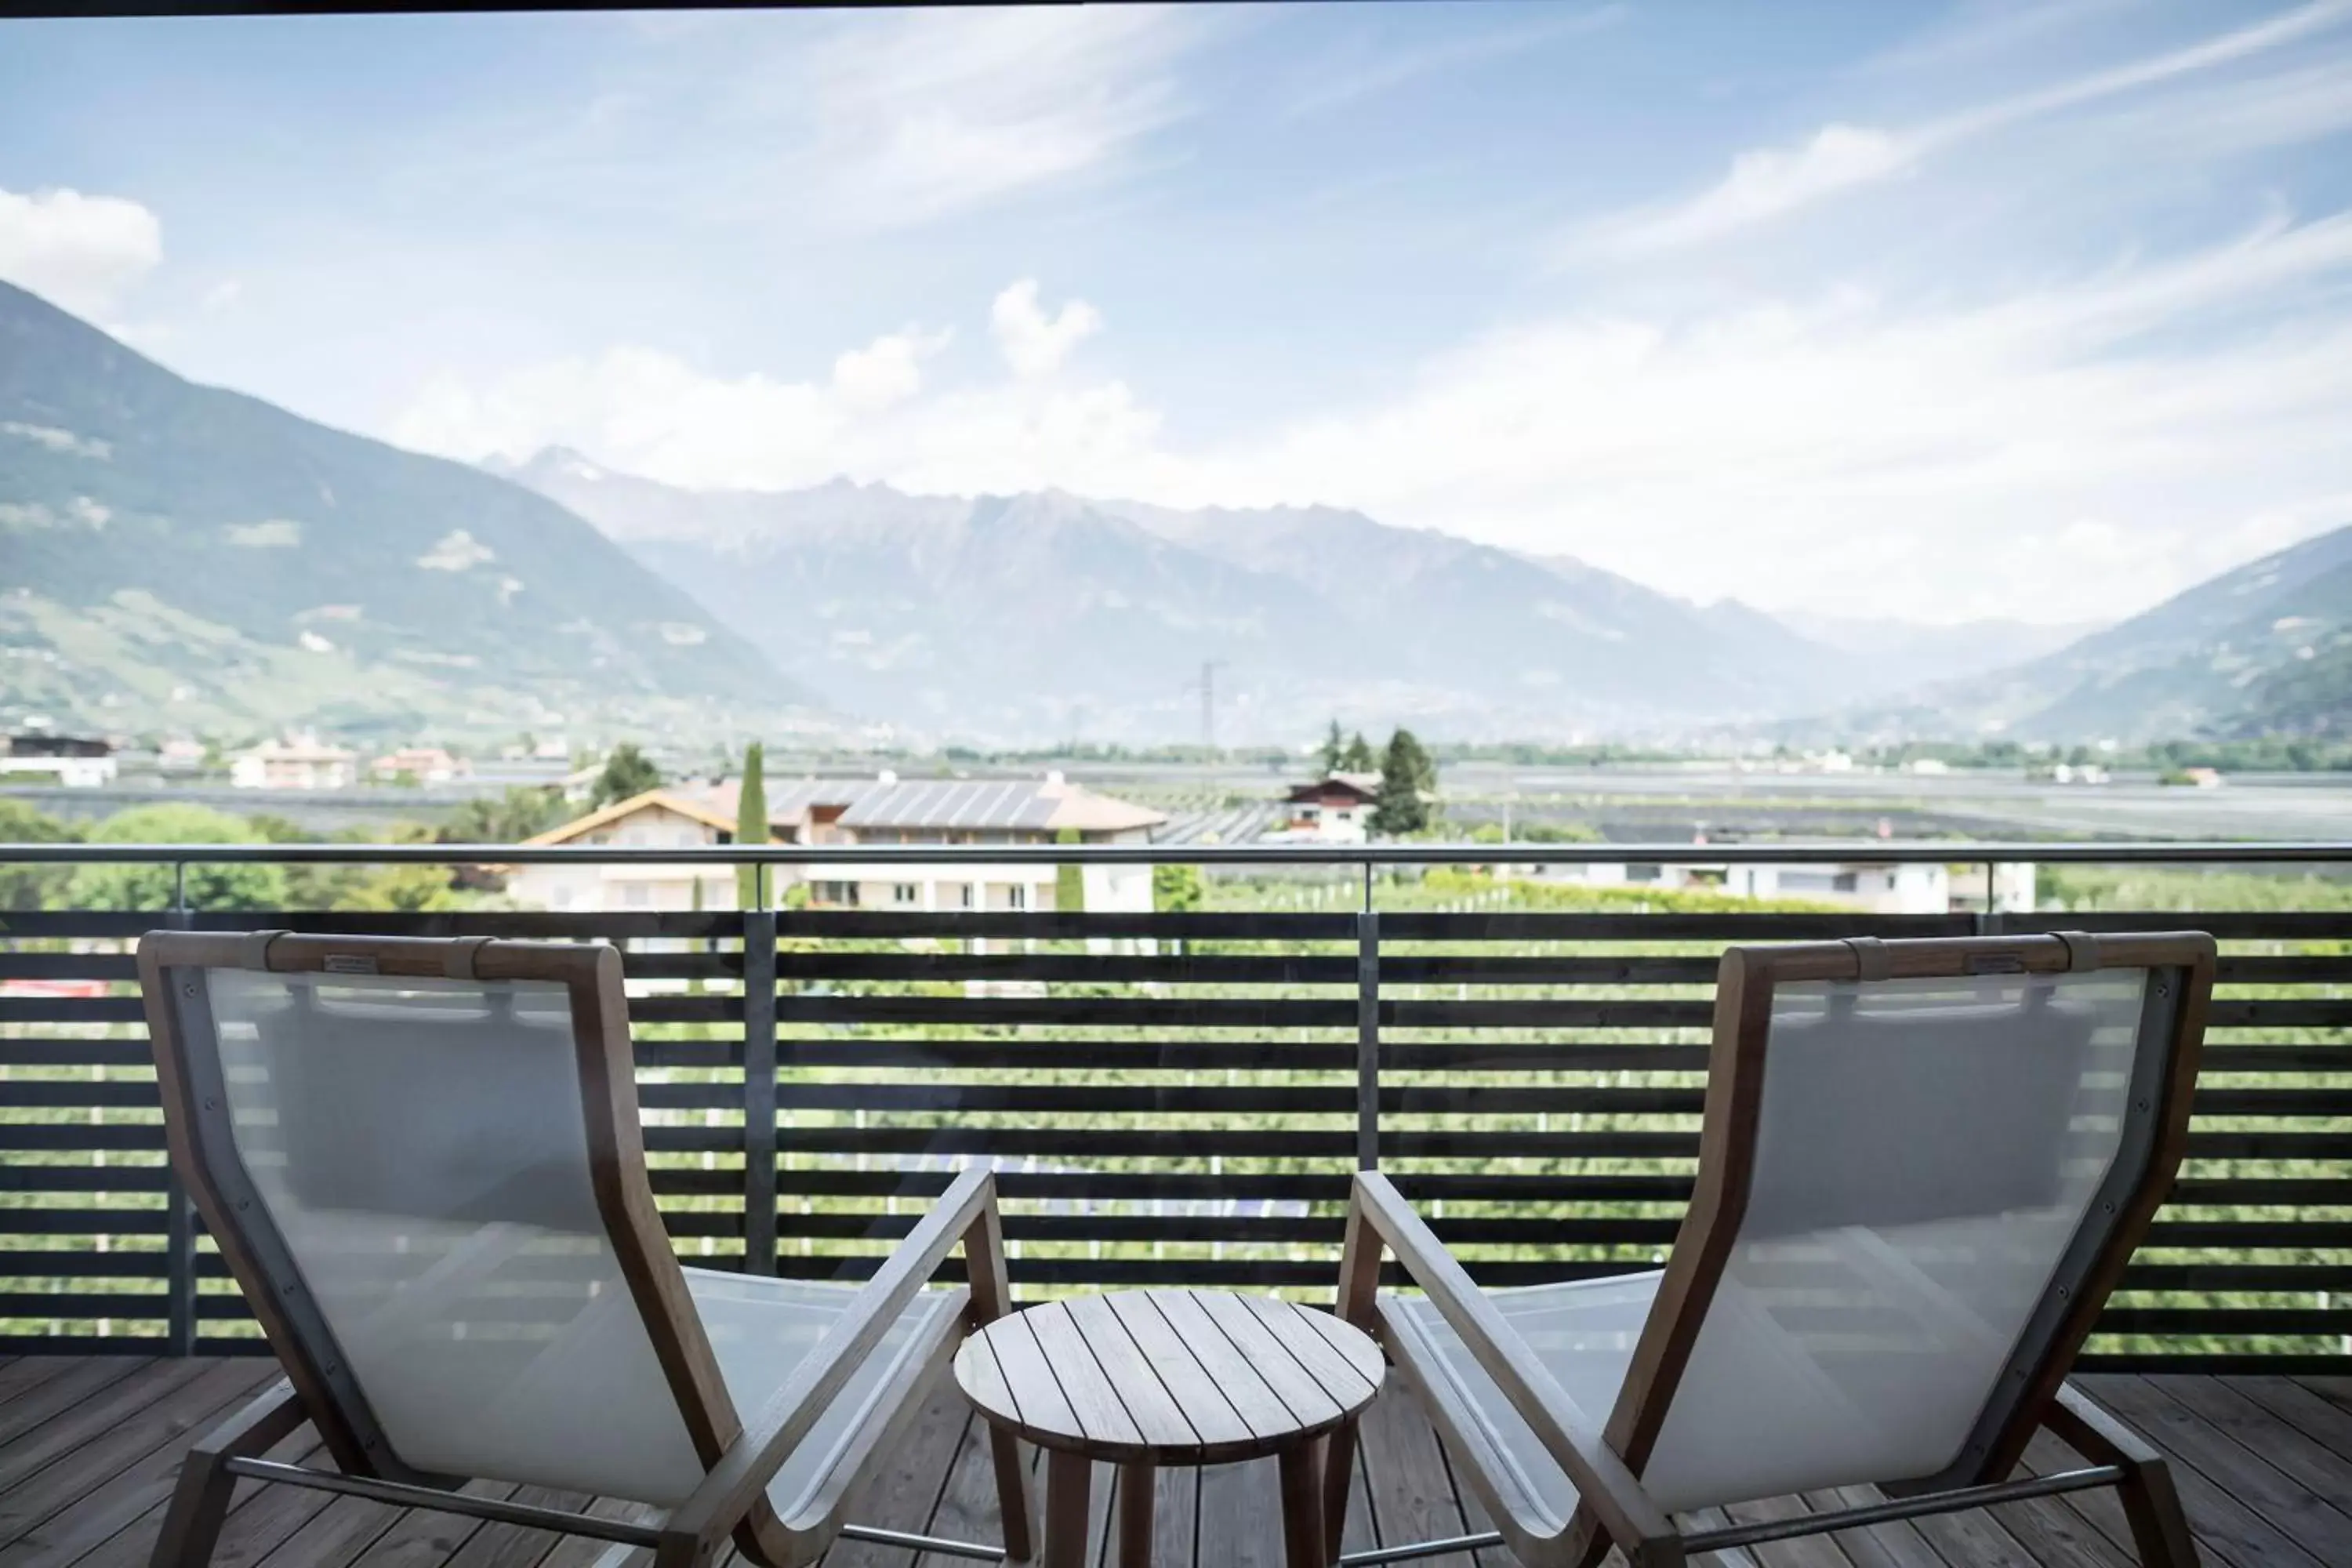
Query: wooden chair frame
{"x": 1603, "y": 1455}
{"x": 739, "y": 1457}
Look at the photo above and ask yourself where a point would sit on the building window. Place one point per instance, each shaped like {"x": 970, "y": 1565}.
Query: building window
{"x": 1642, "y": 873}
{"x": 1842, "y": 882}
{"x": 965, "y": 898}
{"x": 1017, "y": 897}
{"x": 903, "y": 893}
{"x": 844, "y": 894}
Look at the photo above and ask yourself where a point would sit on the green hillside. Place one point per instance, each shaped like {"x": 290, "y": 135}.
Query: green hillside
{"x": 178, "y": 557}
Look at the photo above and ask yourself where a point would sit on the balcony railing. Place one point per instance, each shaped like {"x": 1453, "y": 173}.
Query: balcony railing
{"x": 1180, "y": 1098}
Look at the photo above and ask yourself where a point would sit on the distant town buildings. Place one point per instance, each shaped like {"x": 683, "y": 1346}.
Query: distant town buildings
{"x": 882, "y": 810}
{"x": 297, "y": 763}
{"x": 419, "y": 764}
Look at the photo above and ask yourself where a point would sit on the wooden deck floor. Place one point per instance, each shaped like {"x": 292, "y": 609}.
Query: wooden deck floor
{"x": 88, "y": 1447}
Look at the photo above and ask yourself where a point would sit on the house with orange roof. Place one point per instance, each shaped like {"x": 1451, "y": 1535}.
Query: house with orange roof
{"x": 880, "y": 810}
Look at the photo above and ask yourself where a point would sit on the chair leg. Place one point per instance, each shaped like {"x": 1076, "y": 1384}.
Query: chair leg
{"x": 2159, "y": 1526}
{"x": 1339, "y": 1473}
{"x": 2152, "y": 1508}
{"x": 191, "y": 1523}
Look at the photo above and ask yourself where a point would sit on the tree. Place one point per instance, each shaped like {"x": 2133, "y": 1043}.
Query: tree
{"x": 1335, "y": 746}
{"x": 1175, "y": 889}
{"x": 524, "y": 811}
{"x": 1408, "y": 778}
{"x": 751, "y": 824}
{"x": 1358, "y": 758}
{"x": 1069, "y": 879}
{"x": 628, "y": 772}
{"x": 150, "y": 886}
{"x": 24, "y": 886}
{"x": 405, "y": 889}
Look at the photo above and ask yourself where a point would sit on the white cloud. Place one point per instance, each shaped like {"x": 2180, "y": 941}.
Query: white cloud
{"x": 646, "y": 411}
{"x": 1339, "y": 83}
{"x": 921, "y": 117}
{"x": 1764, "y": 183}
{"x": 1035, "y": 343}
{"x": 887, "y": 370}
{"x": 222, "y": 295}
{"x": 2075, "y": 450}
{"x": 78, "y": 251}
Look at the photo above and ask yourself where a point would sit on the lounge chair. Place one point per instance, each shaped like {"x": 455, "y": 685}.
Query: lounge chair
{"x": 422, "y": 1162}
{"x": 1922, "y": 1168}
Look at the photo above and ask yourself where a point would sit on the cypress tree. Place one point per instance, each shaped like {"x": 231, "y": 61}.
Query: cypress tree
{"x": 750, "y": 822}
{"x": 1069, "y": 881}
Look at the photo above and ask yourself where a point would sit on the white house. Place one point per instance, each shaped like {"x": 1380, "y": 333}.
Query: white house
{"x": 70, "y": 762}
{"x": 421, "y": 764}
{"x": 1869, "y": 887}
{"x": 297, "y": 763}
{"x": 1335, "y": 809}
{"x": 1880, "y": 890}
{"x": 882, "y": 810}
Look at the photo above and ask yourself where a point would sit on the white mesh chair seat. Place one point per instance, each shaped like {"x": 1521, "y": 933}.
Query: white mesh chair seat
{"x": 1584, "y": 1331}
{"x": 760, "y": 1328}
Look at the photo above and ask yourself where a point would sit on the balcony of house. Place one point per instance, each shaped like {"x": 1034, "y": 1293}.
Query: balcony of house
{"x": 1174, "y": 1100}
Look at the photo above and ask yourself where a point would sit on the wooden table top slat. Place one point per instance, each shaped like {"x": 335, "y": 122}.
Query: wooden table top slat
{"x": 1038, "y": 1403}
{"x": 1270, "y": 1358}
{"x": 1204, "y": 1401}
{"x": 1094, "y": 1398}
{"x": 1347, "y": 1380}
{"x": 1166, "y": 1377}
{"x": 979, "y": 1371}
{"x": 1152, "y": 1409}
{"x": 1256, "y": 1402}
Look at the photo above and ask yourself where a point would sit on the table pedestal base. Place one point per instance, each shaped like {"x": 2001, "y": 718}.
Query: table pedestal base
{"x": 1069, "y": 1480}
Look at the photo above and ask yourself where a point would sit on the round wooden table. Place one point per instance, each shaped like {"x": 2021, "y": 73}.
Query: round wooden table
{"x": 1147, "y": 1378}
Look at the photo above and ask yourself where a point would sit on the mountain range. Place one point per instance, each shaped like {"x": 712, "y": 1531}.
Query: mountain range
{"x": 1054, "y": 616}
{"x": 182, "y": 558}
{"x": 2264, "y": 649}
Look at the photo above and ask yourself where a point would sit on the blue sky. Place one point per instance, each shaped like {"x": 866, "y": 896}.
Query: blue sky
{"x": 1931, "y": 311}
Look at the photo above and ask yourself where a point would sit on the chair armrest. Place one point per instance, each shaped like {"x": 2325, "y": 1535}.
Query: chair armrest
{"x": 742, "y": 1473}
{"x": 1614, "y": 1494}
{"x": 2078, "y": 1422}
{"x": 272, "y": 1416}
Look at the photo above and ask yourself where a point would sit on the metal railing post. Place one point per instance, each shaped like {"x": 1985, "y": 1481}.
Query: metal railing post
{"x": 179, "y": 1211}
{"x": 760, "y": 1092}
{"x": 1368, "y": 1040}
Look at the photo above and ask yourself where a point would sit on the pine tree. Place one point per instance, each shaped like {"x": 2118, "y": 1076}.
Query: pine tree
{"x": 1335, "y": 746}
{"x": 628, "y": 772}
{"x": 1358, "y": 758}
{"x": 1408, "y": 778}
{"x": 750, "y": 822}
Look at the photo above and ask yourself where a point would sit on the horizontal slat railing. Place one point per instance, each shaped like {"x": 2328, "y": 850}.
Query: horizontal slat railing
{"x": 1176, "y": 1098}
